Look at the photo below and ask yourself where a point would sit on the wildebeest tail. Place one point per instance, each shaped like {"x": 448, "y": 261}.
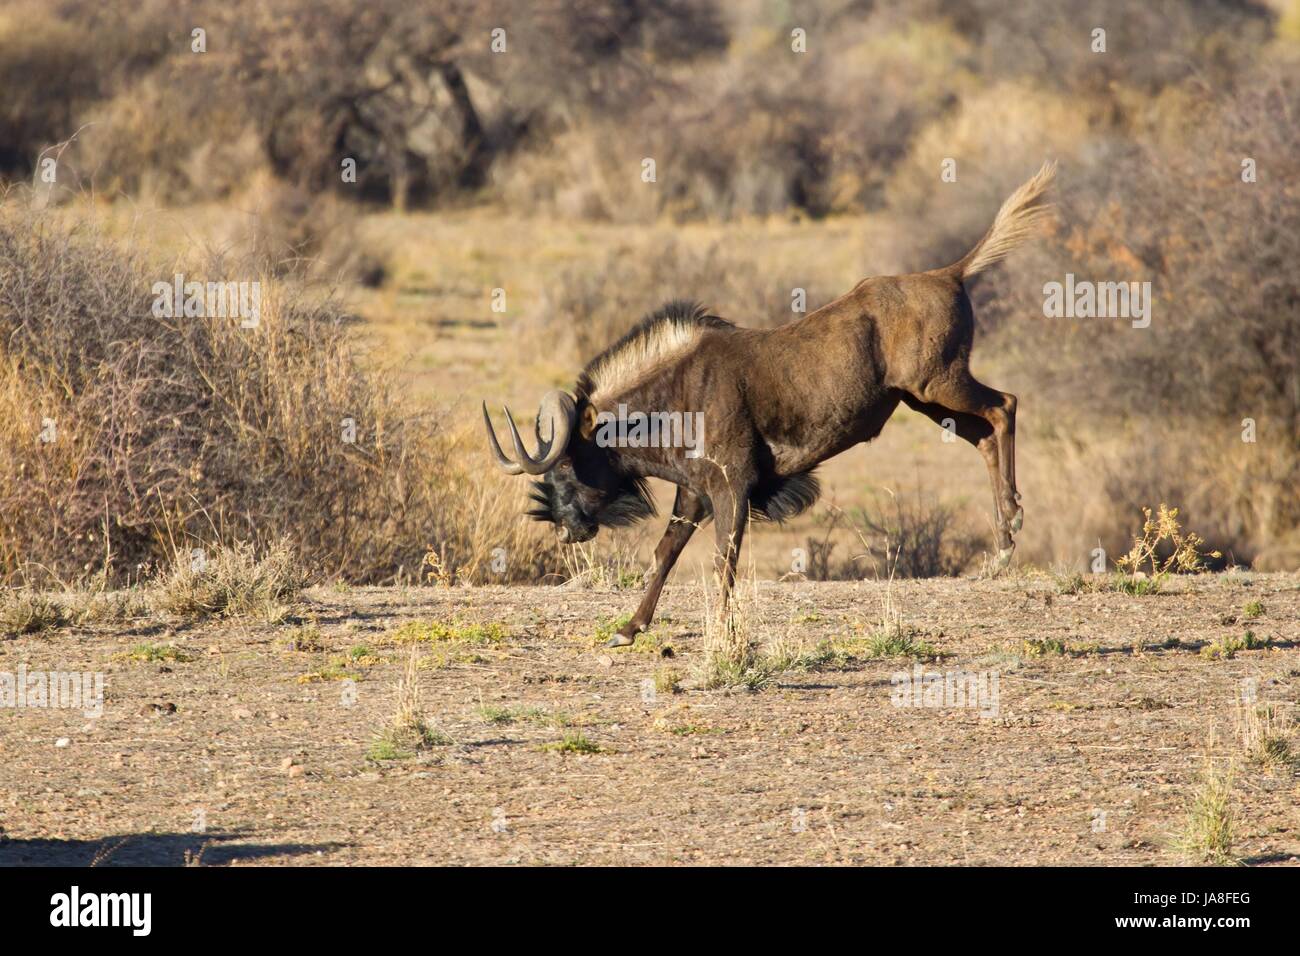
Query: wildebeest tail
{"x": 1015, "y": 222}
{"x": 786, "y": 497}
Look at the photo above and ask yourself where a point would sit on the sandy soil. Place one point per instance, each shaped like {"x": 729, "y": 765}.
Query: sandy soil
{"x": 1090, "y": 759}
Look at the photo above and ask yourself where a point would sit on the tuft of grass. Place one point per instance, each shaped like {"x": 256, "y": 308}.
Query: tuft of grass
{"x": 667, "y": 681}
{"x": 306, "y": 638}
{"x": 384, "y": 749}
{"x": 1135, "y": 586}
{"x": 791, "y": 654}
{"x": 1208, "y": 828}
{"x": 469, "y": 633}
{"x": 899, "y": 642}
{"x": 1043, "y": 647}
{"x": 1253, "y": 609}
{"x": 1263, "y": 733}
{"x": 156, "y": 654}
{"x": 231, "y": 582}
{"x": 335, "y": 669}
{"x": 28, "y": 612}
{"x": 408, "y": 730}
{"x": 573, "y": 742}
{"x": 106, "y": 607}
{"x": 1074, "y": 583}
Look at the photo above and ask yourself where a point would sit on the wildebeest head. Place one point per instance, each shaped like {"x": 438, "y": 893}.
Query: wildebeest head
{"x": 582, "y": 487}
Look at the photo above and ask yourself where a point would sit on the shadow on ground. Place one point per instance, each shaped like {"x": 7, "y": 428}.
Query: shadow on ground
{"x": 149, "y": 849}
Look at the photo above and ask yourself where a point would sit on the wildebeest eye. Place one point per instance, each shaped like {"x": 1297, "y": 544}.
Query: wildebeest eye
{"x": 541, "y": 496}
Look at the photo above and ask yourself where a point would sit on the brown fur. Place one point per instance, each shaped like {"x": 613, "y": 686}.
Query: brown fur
{"x": 779, "y": 402}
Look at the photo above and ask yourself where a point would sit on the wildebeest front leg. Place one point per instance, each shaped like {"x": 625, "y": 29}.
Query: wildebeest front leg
{"x": 730, "y": 515}
{"x": 689, "y": 509}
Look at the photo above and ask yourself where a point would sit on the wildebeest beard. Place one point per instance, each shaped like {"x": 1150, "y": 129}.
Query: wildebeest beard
{"x": 631, "y": 504}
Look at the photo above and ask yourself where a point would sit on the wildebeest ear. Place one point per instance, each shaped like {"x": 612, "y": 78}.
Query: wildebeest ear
{"x": 588, "y": 426}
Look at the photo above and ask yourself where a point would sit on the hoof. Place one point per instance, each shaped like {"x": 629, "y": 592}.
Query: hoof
{"x": 1003, "y": 559}
{"x": 1018, "y": 521}
{"x": 621, "y": 640}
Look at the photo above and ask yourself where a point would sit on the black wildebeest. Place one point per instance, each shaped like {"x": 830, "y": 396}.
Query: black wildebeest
{"x": 776, "y": 403}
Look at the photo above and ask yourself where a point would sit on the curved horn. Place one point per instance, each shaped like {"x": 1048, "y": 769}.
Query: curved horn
{"x": 555, "y": 419}
{"x": 504, "y": 463}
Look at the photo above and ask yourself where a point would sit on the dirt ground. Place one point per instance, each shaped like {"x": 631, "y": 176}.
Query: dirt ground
{"x": 1090, "y": 757}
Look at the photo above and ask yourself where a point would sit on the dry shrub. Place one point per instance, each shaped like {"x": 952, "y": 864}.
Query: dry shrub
{"x": 167, "y": 138}
{"x": 167, "y": 431}
{"x": 235, "y": 581}
{"x": 47, "y": 76}
{"x": 762, "y": 133}
{"x": 28, "y": 612}
{"x": 917, "y": 537}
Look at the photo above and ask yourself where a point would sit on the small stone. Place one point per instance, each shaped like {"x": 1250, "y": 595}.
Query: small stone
{"x": 286, "y": 763}
{"x": 297, "y": 770}
{"x": 604, "y": 660}
{"x": 62, "y": 742}
{"x": 242, "y": 713}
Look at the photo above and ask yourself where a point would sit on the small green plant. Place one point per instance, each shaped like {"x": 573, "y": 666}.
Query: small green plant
{"x": 381, "y": 748}
{"x": 362, "y": 656}
{"x": 573, "y": 742}
{"x": 1253, "y": 609}
{"x": 1226, "y": 648}
{"x": 156, "y": 654}
{"x": 447, "y": 632}
{"x": 335, "y": 669}
{"x": 306, "y": 638}
{"x": 1043, "y": 647}
{"x": 496, "y": 715}
{"x": 607, "y": 627}
{"x": 667, "y": 681}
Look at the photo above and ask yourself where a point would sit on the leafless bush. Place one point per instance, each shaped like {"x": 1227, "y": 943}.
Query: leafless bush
{"x": 918, "y": 538}
{"x": 128, "y": 436}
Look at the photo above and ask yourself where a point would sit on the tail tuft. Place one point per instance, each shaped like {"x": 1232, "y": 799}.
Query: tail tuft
{"x": 1016, "y": 221}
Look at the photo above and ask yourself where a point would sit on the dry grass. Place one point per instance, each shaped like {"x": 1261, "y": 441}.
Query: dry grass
{"x": 1209, "y": 828}
{"x": 1264, "y": 735}
{"x": 233, "y": 582}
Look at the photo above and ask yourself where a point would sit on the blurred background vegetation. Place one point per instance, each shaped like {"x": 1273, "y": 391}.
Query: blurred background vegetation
{"x": 521, "y": 170}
